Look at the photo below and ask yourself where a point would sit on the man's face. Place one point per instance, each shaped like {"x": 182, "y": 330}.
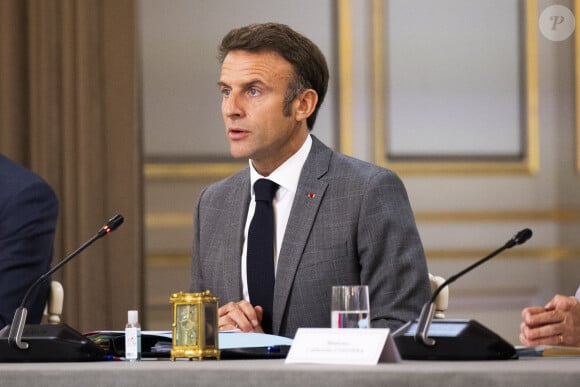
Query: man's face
{"x": 253, "y": 86}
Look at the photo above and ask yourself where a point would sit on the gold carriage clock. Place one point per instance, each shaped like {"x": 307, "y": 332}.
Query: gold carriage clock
{"x": 195, "y": 330}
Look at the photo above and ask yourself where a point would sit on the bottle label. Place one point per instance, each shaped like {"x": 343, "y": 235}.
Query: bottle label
{"x": 132, "y": 343}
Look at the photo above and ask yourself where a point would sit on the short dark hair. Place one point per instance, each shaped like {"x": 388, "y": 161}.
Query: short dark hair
{"x": 308, "y": 62}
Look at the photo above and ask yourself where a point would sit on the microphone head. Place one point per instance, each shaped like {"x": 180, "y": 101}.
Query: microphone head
{"x": 522, "y": 236}
{"x": 118, "y": 219}
{"x": 111, "y": 225}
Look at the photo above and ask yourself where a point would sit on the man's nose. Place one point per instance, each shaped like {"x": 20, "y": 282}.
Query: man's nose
{"x": 231, "y": 106}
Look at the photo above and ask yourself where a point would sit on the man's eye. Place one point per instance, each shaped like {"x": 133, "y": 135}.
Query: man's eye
{"x": 226, "y": 92}
{"x": 253, "y": 92}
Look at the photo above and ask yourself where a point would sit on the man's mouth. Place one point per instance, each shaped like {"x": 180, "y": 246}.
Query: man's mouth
{"x": 237, "y": 133}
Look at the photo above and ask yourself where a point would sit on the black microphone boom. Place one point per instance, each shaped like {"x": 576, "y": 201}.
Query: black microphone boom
{"x": 518, "y": 239}
{"x": 57, "y": 342}
{"x": 459, "y": 339}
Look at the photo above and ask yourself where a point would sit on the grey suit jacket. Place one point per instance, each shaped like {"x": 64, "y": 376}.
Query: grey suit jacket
{"x": 357, "y": 228}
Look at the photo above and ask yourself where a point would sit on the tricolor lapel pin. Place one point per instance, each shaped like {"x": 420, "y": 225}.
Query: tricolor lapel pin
{"x": 311, "y": 195}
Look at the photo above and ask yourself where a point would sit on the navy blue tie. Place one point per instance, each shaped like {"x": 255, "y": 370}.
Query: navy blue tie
{"x": 260, "y": 252}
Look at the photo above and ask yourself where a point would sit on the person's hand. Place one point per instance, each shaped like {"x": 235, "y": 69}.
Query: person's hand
{"x": 240, "y": 315}
{"x": 557, "y": 323}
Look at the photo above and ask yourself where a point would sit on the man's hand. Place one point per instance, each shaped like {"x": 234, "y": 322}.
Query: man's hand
{"x": 240, "y": 315}
{"x": 557, "y": 323}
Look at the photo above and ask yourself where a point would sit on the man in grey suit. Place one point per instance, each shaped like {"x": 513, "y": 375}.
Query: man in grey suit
{"x": 339, "y": 221}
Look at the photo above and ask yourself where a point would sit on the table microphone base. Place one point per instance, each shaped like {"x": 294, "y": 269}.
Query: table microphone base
{"x": 455, "y": 339}
{"x": 50, "y": 343}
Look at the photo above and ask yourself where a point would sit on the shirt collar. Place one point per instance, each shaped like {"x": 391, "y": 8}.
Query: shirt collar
{"x": 287, "y": 174}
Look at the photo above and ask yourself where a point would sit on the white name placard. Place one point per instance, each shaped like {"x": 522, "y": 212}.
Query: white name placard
{"x": 343, "y": 346}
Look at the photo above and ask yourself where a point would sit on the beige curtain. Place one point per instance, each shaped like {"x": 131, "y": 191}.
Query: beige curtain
{"x": 69, "y": 109}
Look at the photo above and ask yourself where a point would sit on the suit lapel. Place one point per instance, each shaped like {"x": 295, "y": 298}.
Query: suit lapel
{"x": 237, "y": 205}
{"x": 309, "y": 195}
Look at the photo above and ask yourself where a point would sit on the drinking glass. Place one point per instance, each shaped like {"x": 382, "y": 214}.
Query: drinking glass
{"x": 350, "y": 307}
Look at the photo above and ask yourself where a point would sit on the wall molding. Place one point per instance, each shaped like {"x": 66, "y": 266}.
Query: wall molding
{"x": 185, "y": 219}
{"x": 577, "y": 75}
{"x": 550, "y": 215}
{"x": 183, "y": 258}
{"x": 530, "y": 160}
{"x": 187, "y": 171}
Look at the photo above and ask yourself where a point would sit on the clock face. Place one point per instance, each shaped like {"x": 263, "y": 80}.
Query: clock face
{"x": 186, "y": 328}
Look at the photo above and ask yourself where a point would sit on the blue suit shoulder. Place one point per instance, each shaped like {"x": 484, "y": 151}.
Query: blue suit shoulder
{"x": 14, "y": 179}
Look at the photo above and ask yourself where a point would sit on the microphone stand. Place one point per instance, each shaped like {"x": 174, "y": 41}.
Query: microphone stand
{"x": 428, "y": 311}
{"x": 19, "y": 320}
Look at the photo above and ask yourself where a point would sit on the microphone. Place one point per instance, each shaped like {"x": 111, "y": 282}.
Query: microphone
{"x": 424, "y": 347}
{"x": 17, "y": 328}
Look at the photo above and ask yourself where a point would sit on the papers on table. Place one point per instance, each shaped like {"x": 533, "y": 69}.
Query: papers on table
{"x": 548, "y": 350}
{"x": 159, "y": 343}
{"x": 232, "y": 339}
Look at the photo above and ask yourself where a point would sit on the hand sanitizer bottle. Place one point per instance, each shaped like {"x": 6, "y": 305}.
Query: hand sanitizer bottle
{"x": 133, "y": 337}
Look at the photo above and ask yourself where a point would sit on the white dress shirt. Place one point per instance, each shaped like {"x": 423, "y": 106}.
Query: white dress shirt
{"x": 286, "y": 176}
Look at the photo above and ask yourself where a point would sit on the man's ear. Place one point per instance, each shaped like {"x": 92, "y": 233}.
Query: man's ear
{"x": 305, "y": 104}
